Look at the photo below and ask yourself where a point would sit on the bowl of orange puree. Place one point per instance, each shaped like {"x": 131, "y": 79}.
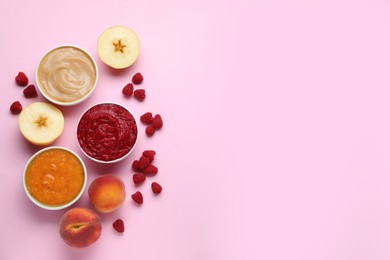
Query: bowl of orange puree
{"x": 54, "y": 178}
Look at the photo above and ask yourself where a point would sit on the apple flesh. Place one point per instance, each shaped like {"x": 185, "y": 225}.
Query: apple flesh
{"x": 118, "y": 47}
{"x": 80, "y": 227}
{"x": 107, "y": 193}
{"x": 41, "y": 123}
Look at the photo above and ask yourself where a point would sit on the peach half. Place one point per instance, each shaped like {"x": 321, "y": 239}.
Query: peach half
{"x": 80, "y": 227}
{"x": 107, "y": 193}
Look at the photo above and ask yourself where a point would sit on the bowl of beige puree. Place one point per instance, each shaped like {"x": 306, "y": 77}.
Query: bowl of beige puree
{"x": 66, "y": 75}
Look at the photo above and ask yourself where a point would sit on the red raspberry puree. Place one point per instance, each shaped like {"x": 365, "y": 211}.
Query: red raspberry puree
{"x": 107, "y": 132}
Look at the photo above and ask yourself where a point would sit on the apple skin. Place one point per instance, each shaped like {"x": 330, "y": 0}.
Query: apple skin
{"x": 107, "y": 193}
{"x": 80, "y": 227}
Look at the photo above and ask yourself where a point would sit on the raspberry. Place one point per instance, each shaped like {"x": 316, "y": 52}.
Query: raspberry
{"x": 150, "y": 154}
{"x": 128, "y": 90}
{"x": 16, "y": 107}
{"x": 156, "y": 188}
{"x": 157, "y": 121}
{"x": 139, "y": 94}
{"x": 137, "y": 78}
{"x": 147, "y": 118}
{"x": 119, "y": 226}
{"x": 30, "y": 91}
{"x": 135, "y": 166}
{"x": 138, "y": 178}
{"x": 21, "y": 79}
{"x": 143, "y": 162}
{"x": 150, "y": 170}
{"x": 138, "y": 198}
{"x": 149, "y": 130}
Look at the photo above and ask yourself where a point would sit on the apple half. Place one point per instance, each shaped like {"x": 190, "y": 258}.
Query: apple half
{"x": 41, "y": 123}
{"x": 118, "y": 47}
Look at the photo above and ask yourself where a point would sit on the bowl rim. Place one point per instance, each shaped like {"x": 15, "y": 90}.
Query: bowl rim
{"x": 76, "y": 101}
{"x": 120, "y": 158}
{"x": 61, "y": 206}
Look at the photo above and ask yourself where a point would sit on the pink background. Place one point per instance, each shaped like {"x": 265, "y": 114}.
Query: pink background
{"x": 276, "y": 143}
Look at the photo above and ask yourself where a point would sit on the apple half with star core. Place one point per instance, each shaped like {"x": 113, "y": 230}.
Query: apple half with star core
{"x": 118, "y": 47}
{"x": 41, "y": 123}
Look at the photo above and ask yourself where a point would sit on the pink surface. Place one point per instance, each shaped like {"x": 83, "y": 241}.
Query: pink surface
{"x": 276, "y": 143}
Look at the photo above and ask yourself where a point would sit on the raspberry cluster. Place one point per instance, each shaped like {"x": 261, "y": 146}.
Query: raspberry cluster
{"x": 29, "y": 92}
{"x": 144, "y": 163}
{"x": 143, "y": 167}
{"x": 128, "y": 90}
{"x": 153, "y": 123}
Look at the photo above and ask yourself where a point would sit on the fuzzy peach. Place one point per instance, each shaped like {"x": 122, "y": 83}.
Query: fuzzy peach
{"x": 80, "y": 227}
{"x": 107, "y": 193}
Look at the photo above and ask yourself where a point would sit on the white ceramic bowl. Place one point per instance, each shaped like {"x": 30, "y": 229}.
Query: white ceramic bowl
{"x": 88, "y": 128}
{"x": 47, "y": 206}
{"x": 66, "y": 75}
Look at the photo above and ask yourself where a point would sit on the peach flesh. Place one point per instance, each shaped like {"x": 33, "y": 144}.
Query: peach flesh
{"x": 80, "y": 227}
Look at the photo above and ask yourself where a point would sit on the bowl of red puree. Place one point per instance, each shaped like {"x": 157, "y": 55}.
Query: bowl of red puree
{"x": 107, "y": 132}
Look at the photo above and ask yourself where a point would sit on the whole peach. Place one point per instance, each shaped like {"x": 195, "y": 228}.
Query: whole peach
{"x": 107, "y": 193}
{"x": 80, "y": 227}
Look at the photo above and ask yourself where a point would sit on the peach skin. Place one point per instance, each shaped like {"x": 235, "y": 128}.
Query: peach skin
{"x": 107, "y": 193}
{"x": 80, "y": 227}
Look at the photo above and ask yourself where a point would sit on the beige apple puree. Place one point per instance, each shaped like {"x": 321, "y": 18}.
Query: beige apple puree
{"x": 66, "y": 74}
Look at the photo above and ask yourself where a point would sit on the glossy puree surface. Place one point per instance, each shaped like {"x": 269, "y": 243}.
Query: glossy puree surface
{"x": 54, "y": 177}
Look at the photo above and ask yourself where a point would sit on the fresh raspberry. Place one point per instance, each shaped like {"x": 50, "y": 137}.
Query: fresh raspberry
{"x": 119, "y": 226}
{"x": 21, "y": 79}
{"x": 150, "y": 154}
{"x": 30, "y": 91}
{"x": 147, "y": 118}
{"x": 156, "y": 188}
{"x": 138, "y": 198}
{"x": 138, "y": 178}
{"x": 137, "y": 78}
{"x": 128, "y": 90}
{"x": 149, "y": 130}
{"x": 139, "y": 94}
{"x": 16, "y": 107}
{"x": 150, "y": 170}
{"x": 157, "y": 121}
{"x": 143, "y": 162}
{"x": 135, "y": 166}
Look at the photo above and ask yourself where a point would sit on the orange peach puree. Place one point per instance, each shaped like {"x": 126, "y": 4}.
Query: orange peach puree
{"x": 54, "y": 177}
